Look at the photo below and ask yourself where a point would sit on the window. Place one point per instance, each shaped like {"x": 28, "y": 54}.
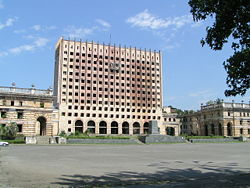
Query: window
{"x": 41, "y": 104}
{"x": 12, "y": 103}
{"x": 19, "y": 115}
{"x": 21, "y": 103}
{"x": 241, "y": 121}
{"x": 3, "y": 115}
{"x": 19, "y": 128}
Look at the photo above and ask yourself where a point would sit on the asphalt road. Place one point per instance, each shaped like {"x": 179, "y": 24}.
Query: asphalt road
{"x": 156, "y": 165}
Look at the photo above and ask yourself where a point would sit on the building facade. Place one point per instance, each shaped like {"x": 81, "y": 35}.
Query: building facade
{"x": 31, "y": 109}
{"x": 170, "y": 121}
{"x": 223, "y": 118}
{"x": 107, "y": 89}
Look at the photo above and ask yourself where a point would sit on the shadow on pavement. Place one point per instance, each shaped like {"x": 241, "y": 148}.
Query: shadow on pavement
{"x": 213, "y": 177}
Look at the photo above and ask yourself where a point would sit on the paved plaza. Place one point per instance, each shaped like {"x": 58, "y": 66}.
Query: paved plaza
{"x": 155, "y": 165}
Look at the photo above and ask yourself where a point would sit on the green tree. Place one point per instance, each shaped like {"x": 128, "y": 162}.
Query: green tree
{"x": 9, "y": 132}
{"x": 232, "y": 20}
{"x": 209, "y": 102}
{"x": 2, "y": 131}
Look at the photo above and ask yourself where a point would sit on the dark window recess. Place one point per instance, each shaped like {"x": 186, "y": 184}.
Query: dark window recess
{"x": 12, "y": 103}
{"x": 19, "y": 115}
{"x": 42, "y": 105}
{"x": 3, "y": 114}
{"x": 19, "y": 128}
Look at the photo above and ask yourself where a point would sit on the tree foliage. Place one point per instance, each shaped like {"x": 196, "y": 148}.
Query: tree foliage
{"x": 9, "y": 131}
{"x": 232, "y": 20}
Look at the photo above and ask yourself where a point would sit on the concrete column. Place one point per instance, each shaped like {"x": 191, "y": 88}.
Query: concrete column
{"x": 141, "y": 127}
{"x": 176, "y": 131}
{"x": 97, "y": 127}
{"x": 131, "y": 128}
{"x": 120, "y": 128}
{"x": 108, "y": 127}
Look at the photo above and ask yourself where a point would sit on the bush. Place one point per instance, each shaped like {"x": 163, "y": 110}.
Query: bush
{"x": 85, "y": 136}
{"x": 77, "y": 133}
{"x": 63, "y": 134}
{"x": 17, "y": 141}
{"x": 9, "y": 132}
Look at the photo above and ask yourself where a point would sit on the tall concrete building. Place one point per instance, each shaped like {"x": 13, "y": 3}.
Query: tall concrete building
{"x": 107, "y": 89}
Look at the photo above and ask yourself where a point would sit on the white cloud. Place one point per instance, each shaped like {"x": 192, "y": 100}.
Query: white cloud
{"x": 170, "y": 46}
{"x": 21, "y": 48}
{"x": 197, "y": 24}
{"x": 19, "y": 31}
{"x": 9, "y": 22}
{"x": 201, "y": 93}
{"x": 52, "y": 27}
{"x": 103, "y": 23}
{"x": 38, "y": 43}
{"x": 147, "y": 20}
{"x": 36, "y": 27}
{"x": 74, "y": 32}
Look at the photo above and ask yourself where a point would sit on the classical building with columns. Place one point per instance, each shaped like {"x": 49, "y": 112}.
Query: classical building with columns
{"x": 30, "y": 109}
{"x": 107, "y": 89}
{"x": 218, "y": 118}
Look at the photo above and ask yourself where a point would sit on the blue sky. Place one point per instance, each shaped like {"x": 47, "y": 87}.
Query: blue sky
{"x": 191, "y": 74}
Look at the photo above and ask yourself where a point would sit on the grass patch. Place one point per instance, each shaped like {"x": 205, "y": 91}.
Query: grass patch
{"x": 217, "y": 142}
{"x": 98, "y": 137}
{"x": 203, "y": 137}
{"x": 17, "y": 141}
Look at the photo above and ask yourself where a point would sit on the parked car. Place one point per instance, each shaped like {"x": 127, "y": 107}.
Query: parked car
{"x": 4, "y": 143}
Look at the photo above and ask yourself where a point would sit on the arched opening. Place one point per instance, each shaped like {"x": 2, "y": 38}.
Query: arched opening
{"x": 229, "y": 129}
{"x": 212, "y": 129}
{"x": 220, "y": 129}
{"x": 170, "y": 131}
{"x": 125, "y": 128}
{"x": 42, "y": 126}
{"x": 102, "y": 127}
{"x": 146, "y": 128}
{"x": 114, "y": 127}
{"x": 206, "y": 130}
{"x": 91, "y": 127}
{"x": 136, "y": 128}
{"x": 79, "y": 126}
